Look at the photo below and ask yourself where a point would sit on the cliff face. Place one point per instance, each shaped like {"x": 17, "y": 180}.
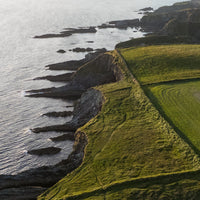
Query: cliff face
{"x": 101, "y": 70}
{"x": 185, "y": 23}
{"x": 180, "y": 19}
{"x": 87, "y": 107}
{"x": 33, "y": 182}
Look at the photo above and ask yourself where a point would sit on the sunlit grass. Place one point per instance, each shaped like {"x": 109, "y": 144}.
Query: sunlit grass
{"x": 156, "y": 64}
{"x": 180, "y": 102}
{"x": 127, "y": 141}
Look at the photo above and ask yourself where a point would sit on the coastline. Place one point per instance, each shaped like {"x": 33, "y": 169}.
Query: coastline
{"x": 47, "y": 176}
{"x": 39, "y": 179}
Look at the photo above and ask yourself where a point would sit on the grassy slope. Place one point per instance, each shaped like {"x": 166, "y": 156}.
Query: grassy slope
{"x": 128, "y": 140}
{"x": 155, "y": 64}
{"x": 181, "y": 104}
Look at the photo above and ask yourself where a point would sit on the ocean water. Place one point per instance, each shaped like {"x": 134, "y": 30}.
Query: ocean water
{"x": 23, "y": 58}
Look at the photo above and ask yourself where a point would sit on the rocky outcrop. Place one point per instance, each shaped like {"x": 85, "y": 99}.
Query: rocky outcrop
{"x": 57, "y": 128}
{"x": 64, "y": 137}
{"x": 66, "y": 92}
{"x": 180, "y": 19}
{"x": 57, "y": 78}
{"x": 102, "y": 69}
{"x": 75, "y": 64}
{"x": 29, "y": 184}
{"x": 87, "y": 107}
{"x": 121, "y": 24}
{"x": 68, "y": 32}
{"x": 157, "y": 40}
{"x": 59, "y": 114}
{"x": 99, "y": 71}
{"x": 45, "y": 151}
{"x": 61, "y": 51}
{"x": 185, "y": 23}
{"x": 78, "y": 49}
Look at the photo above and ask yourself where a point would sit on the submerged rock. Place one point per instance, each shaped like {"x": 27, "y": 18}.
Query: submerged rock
{"x": 68, "y": 65}
{"x": 180, "y": 19}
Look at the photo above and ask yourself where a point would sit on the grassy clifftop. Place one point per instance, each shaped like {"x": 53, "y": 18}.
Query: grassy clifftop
{"x": 171, "y": 75}
{"x": 132, "y": 151}
{"x": 155, "y": 64}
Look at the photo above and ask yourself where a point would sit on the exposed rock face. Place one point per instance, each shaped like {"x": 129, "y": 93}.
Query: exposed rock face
{"x": 99, "y": 71}
{"x": 68, "y": 65}
{"x": 87, "y": 107}
{"x": 57, "y": 78}
{"x": 176, "y": 7}
{"x": 21, "y": 193}
{"x": 58, "y": 128}
{"x": 66, "y": 92}
{"x": 185, "y": 23}
{"x": 180, "y": 19}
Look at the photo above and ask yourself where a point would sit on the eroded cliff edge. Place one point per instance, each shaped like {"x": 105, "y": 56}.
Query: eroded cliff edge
{"x": 29, "y": 184}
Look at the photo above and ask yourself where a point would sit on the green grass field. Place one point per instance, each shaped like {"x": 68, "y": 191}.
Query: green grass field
{"x": 178, "y": 101}
{"x": 132, "y": 150}
{"x": 155, "y": 64}
{"x": 181, "y": 104}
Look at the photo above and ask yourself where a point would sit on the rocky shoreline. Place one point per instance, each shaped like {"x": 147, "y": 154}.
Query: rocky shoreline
{"x": 33, "y": 182}
{"x": 177, "y": 19}
{"x": 95, "y": 69}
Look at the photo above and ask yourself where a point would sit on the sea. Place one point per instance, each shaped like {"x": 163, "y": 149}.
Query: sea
{"x": 22, "y": 58}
